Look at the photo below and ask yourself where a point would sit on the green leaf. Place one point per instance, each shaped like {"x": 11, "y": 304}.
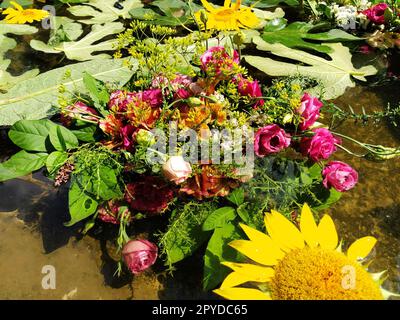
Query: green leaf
{"x": 103, "y": 11}
{"x": 219, "y": 218}
{"x": 218, "y": 251}
{"x": 97, "y": 90}
{"x": 62, "y": 139}
{"x": 184, "y": 234}
{"x": 84, "y": 131}
{"x": 21, "y": 164}
{"x": 55, "y": 160}
{"x": 31, "y": 135}
{"x": 328, "y": 198}
{"x": 335, "y": 75}
{"x": 63, "y": 29}
{"x": 295, "y": 34}
{"x": 81, "y": 204}
{"x": 103, "y": 183}
{"x": 236, "y": 196}
{"x": 23, "y": 3}
{"x": 85, "y": 48}
{"x": 244, "y": 214}
{"x": 6, "y": 79}
{"x": 34, "y": 98}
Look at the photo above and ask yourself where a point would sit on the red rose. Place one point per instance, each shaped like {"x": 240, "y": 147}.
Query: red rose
{"x": 149, "y": 195}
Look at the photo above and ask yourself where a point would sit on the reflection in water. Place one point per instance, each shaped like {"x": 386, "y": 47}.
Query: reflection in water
{"x": 33, "y": 236}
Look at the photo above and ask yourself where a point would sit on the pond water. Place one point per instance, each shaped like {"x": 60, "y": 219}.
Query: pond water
{"x": 32, "y": 234}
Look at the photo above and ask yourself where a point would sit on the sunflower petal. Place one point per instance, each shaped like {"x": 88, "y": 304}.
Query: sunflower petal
{"x": 227, "y": 3}
{"x": 242, "y": 294}
{"x": 283, "y": 232}
{"x": 327, "y": 235}
{"x": 207, "y": 5}
{"x": 251, "y": 272}
{"x": 260, "y": 254}
{"x": 308, "y": 226}
{"x": 361, "y": 248}
{"x": 239, "y": 277}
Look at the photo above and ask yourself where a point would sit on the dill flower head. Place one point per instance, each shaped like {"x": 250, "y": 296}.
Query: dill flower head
{"x": 305, "y": 264}
{"x": 229, "y": 17}
{"x": 19, "y": 15}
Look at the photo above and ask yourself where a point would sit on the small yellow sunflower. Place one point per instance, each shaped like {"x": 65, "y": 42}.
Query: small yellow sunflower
{"x": 19, "y": 15}
{"x": 229, "y": 17}
{"x": 305, "y": 264}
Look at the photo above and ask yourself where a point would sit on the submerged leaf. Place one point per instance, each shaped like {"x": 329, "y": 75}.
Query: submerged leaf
{"x": 35, "y": 98}
{"x": 85, "y": 48}
{"x": 335, "y": 75}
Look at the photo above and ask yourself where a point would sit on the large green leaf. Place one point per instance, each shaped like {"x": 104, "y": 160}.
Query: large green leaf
{"x": 295, "y": 34}
{"x": 31, "y": 135}
{"x": 218, "y": 251}
{"x": 35, "y": 98}
{"x": 81, "y": 204}
{"x": 6, "y": 79}
{"x": 20, "y": 164}
{"x": 85, "y": 48}
{"x": 62, "y": 139}
{"x": 102, "y": 11}
{"x": 335, "y": 75}
{"x": 219, "y": 218}
{"x": 269, "y": 3}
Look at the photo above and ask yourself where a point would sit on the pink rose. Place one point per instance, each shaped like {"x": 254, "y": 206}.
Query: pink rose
{"x": 251, "y": 89}
{"x": 120, "y": 99}
{"x": 309, "y": 110}
{"x": 217, "y": 61}
{"x": 376, "y": 14}
{"x": 270, "y": 139}
{"x": 154, "y": 97}
{"x": 176, "y": 169}
{"x": 340, "y": 176}
{"x": 320, "y": 146}
{"x": 139, "y": 255}
{"x": 81, "y": 111}
{"x": 128, "y": 134}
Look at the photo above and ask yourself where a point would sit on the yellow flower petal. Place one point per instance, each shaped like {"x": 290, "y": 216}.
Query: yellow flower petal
{"x": 283, "y": 232}
{"x": 308, "y": 226}
{"x": 227, "y": 3}
{"x": 260, "y": 254}
{"x": 17, "y": 6}
{"x": 242, "y": 294}
{"x": 207, "y": 5}
{"x": 327, "y": 235}
{"x": 244, "y": 272}
{"x": 361, "y": 248}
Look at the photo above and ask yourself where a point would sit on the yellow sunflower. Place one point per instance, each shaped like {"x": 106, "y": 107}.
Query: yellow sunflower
{"x": 305, "y": 264}
{"x": 18, "y": 15}
{"x": 229, "y": 17}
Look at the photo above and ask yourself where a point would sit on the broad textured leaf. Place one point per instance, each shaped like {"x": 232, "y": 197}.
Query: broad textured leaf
{"x": 335, "y": 75}
{"x": 64, "y": 29}
{"x": 35, "y": 98}
{"x": 85, "y": 48}
{"x": 218, "y": 251}
{"x": 219, "y": 218}
{"x": 6, "y": 79}
{"x": 62, "y": 139}
{"x": 31, "y": 135}
{"x": 81, "y": 204}
{"x": 102, "y": 11}
{"x": 269, "y": 3}
{"x": 20, "y": 164}
{"x": 295, "y": 34}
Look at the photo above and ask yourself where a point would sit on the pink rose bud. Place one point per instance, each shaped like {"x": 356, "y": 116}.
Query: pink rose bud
{"x": 376, "y": 14}
{"x": 270, "y": 139}
{"x": 340, "y": 176}
{"x": 309, "y": 110}
{"x": 320, "y": 146}
{"x": 79, "y": 110}
{"x": 251, "y": 89}
{"x": 139, "y": 255}
{"x": 176, "y": 169}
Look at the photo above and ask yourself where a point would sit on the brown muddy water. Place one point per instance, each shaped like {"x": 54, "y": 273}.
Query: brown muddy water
{"x": 32, "y": 234}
